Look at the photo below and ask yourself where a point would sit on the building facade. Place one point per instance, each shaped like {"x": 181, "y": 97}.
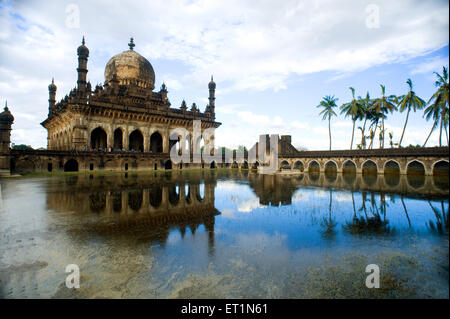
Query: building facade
{"x": 123, "y": 114}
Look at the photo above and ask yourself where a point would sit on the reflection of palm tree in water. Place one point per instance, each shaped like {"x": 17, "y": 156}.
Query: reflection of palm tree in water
{"x": 406, "y": 211}
{"x": 369, "y": 225}
{"x": 329, "y": 223}
{"x": 441, "y": 224}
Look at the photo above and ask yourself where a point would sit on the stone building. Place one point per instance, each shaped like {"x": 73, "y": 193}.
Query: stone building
{"x": 123, "y": 114}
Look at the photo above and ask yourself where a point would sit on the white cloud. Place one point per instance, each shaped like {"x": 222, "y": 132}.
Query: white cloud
{"x": 430, "y": 65}
{"x": 249, "y": 46}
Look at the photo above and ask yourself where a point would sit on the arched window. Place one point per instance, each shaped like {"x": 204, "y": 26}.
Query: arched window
{"x": 118, "y": 139}
{"x": 136, "y": 141}
{"x": 98, "y": 138}
{"x": 156, "y": 143}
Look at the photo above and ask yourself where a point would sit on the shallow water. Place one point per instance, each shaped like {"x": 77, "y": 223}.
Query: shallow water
{"x": 224, "y": 235}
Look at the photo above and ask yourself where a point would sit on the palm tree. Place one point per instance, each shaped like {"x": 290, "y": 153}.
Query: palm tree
{"x": 365, "y": 104}
{"x": 438, "y": 108}
{"x": 354, "y": 110}
{"x": 408, "y": 101}
{"x": 328, "y": 103}
{"x": 432, "y": 111}
{"x": 391, "y": 135}
{"x": 383, "y": 106}
{"x": 375, "y": 119}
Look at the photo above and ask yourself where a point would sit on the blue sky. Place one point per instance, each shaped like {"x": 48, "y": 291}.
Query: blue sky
{"x": 272, "y": 61}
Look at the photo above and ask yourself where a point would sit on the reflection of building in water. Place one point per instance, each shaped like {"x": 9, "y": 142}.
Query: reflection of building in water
{"x": 149, "y": 206}
{"x": 279, "y": 189}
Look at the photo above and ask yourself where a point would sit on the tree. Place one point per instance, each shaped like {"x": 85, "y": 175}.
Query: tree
{"x": 383, "y": 106}
{"x": 365, "y": 104}
{"x": 408, "y": 101}
{"x": 391, "y": 143}
{"x": 432, "y": 111}
{"x": 22, "y": 147}
{"x": 439, "y": 103}
{"x": 328, "y": 103}
{"x": 374, "y": 121}
{"x": 354, "y": 109}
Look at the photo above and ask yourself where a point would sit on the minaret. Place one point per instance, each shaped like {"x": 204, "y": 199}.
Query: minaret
{"x": 51, "y": 97}
{"x": 212, "y": 92}
{"x": 6, "y": 121}
{"x": 83, "y": 54}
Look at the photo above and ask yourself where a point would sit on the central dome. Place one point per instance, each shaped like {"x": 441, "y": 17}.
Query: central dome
{"x": 130, "y": 68}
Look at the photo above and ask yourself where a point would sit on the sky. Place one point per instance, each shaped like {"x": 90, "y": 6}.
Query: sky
{"x": 273, "y": 61}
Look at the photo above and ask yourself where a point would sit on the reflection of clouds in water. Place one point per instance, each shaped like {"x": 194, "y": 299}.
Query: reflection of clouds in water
{"x": 228, "y": 213}
{"x": 321, "y": 193}
{"x": 240, "y": 196}
{"x": 248, "y": 205}
{"x": 300, "y": 196}
{"x": 228, "y": 185}
{"x": 258, "y": 242}
{"x": 342, "y": 197}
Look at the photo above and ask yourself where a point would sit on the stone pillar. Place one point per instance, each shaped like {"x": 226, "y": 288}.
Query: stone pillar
{"x": 110, "y": 137}
{"x": 146, "y": 140}
{"x": 165, "y": 138}
{"x": 125, "y": 139}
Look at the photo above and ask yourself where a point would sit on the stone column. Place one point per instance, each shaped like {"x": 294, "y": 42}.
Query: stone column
{"x": 126, "y": 139}
{"x": 146, "y": 139}
{"x": 165, "y": 138}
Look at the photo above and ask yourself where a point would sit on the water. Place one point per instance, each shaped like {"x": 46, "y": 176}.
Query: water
{"x": 228, "y": 234}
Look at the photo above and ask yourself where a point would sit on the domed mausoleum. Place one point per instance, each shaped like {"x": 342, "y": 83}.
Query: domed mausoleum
{"x": 124, "y": 114}
{"x": 130, "y": 67}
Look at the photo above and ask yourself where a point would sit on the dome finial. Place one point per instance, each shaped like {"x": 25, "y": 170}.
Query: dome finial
{"x": 82, "y": 41}
{"x": 131, "y": 44}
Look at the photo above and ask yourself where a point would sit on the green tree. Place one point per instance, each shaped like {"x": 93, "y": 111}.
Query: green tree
{"x": 438, "y": 104}
{"x": 328, "y": 103}
{"x": 354, "y": 109}
{"x": 383, "y": 106}
{"x": 22, "y": 147}
{"x": 407, "y": 102}
{"x": 365, "y": 104}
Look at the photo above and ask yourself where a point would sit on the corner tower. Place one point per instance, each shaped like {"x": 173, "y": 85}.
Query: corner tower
{"x": 6, "y": 121}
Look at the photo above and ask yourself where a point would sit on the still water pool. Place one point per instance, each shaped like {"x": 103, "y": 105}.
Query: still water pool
{"x": 227, "y": 234}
